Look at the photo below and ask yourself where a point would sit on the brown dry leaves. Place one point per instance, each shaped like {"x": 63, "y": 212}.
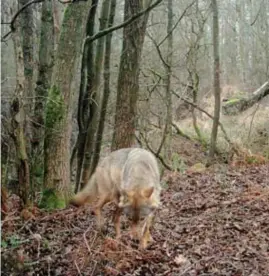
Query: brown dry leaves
{"x": 210, "y": 223}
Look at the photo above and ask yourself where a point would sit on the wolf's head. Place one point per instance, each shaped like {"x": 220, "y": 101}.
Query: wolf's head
{"x": 138, "y": 203}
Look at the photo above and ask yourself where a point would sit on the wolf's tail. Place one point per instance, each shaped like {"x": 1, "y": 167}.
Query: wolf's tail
{"x": 87, "y": 194}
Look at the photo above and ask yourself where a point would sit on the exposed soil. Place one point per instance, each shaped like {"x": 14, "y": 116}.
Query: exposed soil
{"x": 210, "y": 223}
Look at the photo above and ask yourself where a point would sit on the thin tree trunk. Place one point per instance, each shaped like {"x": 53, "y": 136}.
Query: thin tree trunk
{"x": 59, "y": 108}
{"x": 95, "y": 93}
{"x": 128, "y": 87}
{"x": 106, "y": 91}
{"x": 216, "y": 74}
{"x": 86, "y": 104}
{"x": 168, "y": 67}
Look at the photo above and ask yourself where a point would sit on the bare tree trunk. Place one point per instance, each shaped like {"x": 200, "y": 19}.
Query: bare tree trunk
{"x": 86, "y": 104}
{"x": 46, "y": 50}
{"x": 56, "y": 22}
{"x": 59, "y": 108}
{"x": 168, "y": 67}
{"x": 214, "y": 132}
{"x": 128, "y": 87}
{"x": 106, "y": 91}
{"x": 27, "y": 25}
{"x": 18, "y": 120}
{"x": 26, "y": 22}
{"x": 95, "y": 93}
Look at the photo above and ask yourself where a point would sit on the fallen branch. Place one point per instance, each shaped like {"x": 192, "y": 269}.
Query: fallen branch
{"x": 180, "y": 132}
{"x": 235, "y": 106}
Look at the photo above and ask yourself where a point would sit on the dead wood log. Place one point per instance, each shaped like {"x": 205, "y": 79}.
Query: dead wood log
{"x": 236, "y": 105}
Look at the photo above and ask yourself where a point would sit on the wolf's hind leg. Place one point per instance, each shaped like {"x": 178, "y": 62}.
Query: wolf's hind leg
{"x": 98, "y": 211}
{"x": 116, "y": 220}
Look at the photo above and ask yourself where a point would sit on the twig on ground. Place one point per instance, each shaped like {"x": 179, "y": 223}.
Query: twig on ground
{"x": 79, "y": 272}
{"x": 85, "y": 238}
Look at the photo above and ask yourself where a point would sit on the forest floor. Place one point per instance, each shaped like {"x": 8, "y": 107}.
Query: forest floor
{"x": 211, "y": 223}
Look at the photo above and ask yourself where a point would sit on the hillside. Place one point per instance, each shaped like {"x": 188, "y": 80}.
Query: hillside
{"x": 210, "y": 223}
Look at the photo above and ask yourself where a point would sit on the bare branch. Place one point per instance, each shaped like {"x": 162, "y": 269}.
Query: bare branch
{"x": 258, "y": 13}
{"x": 176, "y": 24}
{"x": 13, "y": 20}
{"x": 152, "y": 151}
{"x": 210, "y": 116}
{"x": 100, "y": 34}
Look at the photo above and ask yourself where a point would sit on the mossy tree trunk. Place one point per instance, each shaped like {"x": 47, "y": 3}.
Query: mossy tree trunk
{"x": 46, "y": 50}
{"x": 59, "y": 108}
{"x": 128, "y": 87}
{"x": 26, "y": 22}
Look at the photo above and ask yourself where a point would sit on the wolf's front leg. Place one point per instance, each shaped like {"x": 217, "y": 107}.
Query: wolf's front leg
{"x": 116, "y": 220}
{"x": 146, "y": 236}
{"x": 134, "y": 234}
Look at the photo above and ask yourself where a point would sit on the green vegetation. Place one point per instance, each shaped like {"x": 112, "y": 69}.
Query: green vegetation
{"x": 55, "y": 108}
{"x": 51, "y": 200}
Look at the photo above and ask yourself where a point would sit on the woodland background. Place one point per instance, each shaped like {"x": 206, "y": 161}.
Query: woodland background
{"x": 71, "y": 91}
{"x": 187, "y": 80}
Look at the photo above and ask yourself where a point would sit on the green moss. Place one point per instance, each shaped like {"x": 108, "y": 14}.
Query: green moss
{"x": 28, "y": 71}
{"x": 68, "y": 13}
{"x": 55, "y": 108}
{"x": 38, "y": 171}
{"x": 52, "y": 200}
{"x": 232, "y": 101}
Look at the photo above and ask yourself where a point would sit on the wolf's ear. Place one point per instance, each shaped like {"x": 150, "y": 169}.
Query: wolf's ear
{"x": 147, "y": 192}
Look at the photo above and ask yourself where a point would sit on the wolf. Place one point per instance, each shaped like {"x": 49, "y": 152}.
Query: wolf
{"x": 129, "y": 177}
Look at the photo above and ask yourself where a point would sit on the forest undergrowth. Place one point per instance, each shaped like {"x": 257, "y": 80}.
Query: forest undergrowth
{"x": 210, "y": 223}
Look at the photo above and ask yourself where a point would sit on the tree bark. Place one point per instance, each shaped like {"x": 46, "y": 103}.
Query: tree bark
{"x": 59, "y": 108}
{"x": 86, "y": 104}
{"x": 128, "y": 87}
{"x": 106, "y": 91}
{"x": 235, "y": 106}
{"x": 216, "y": 74}
{"x": 45, "y": 64}
{"x": 168, "y": 67}
{"x": 27, "y": 25}
{"x": 18, "y": 120}
{"x": 95, "y": 93}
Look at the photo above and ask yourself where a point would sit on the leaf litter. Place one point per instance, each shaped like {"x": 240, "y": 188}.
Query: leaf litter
{"x": 210, "y": 223}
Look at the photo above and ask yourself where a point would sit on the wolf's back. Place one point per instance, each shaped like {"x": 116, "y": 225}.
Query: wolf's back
{"x": 141, "y": 168}
{"x": 105, "y": 180}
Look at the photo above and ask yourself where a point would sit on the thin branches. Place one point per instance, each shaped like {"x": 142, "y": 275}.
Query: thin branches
{"x": 226, "y": 137}
{"x": 100, "y": 34}
{"x": 13, "y": 20}
{"x": 15, "y": 16}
